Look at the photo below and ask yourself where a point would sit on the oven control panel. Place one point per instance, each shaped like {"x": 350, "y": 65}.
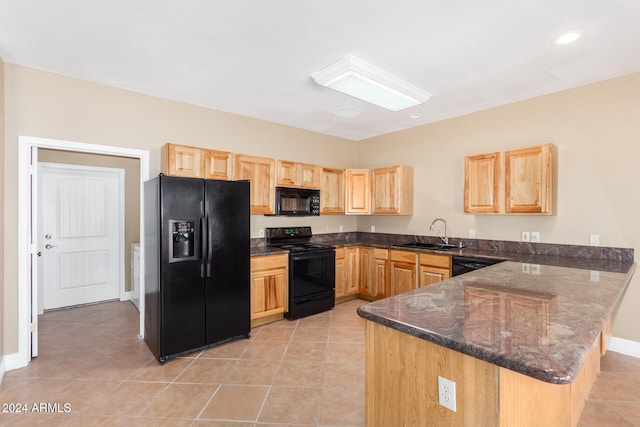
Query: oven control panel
{"x": 288, "y": 232}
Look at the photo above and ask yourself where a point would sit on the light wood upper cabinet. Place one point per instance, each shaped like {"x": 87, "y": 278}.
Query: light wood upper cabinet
{"x": 194, "y": 162}
{"x": 331, "y": 191}
{"x": 358, "y": 186}
{"x": 182, "y": 160}
{"x": 301, "y": 175}
{"x": 482, "y": 183}
{"x": 269, "y": 285}
{"x": 261, "y": 172}
{"x": 528, "y": 180}
{"x": 516, "y": 181}
{"x": 218, "y": 165}
{"x": 392, "y": 190}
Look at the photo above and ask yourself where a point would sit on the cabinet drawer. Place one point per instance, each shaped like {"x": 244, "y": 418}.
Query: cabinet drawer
{"x": 339, "y": 253}
{"x": 435, "y": 260}
{"x": 380, "y": 253}
{"x": 404, "y": 256}
{"x": 267, "y": 262}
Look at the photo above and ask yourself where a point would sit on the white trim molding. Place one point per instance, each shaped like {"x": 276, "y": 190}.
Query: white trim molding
{"x": 23, "y": 356}
{"x": 626, "y": 347}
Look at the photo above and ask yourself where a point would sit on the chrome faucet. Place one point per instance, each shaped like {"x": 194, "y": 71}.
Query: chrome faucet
{"x": 445, "y": 239}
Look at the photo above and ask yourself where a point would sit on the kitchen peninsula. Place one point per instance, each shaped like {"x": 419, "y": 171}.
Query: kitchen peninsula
{"x": 523, "y": 347}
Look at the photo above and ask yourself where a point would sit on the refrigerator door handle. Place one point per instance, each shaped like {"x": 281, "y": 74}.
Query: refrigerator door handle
{"x": 203, "y": 248}
{"x": 209, "y": 246}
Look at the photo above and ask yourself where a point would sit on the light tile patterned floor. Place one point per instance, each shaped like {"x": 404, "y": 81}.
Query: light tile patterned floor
{"x": 308, "y": 372}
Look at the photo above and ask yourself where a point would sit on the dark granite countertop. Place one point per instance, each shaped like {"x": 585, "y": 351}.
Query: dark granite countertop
{"x": 541, "y": 322}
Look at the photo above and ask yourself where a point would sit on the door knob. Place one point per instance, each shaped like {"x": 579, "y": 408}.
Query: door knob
{"x": 48, "y": 246}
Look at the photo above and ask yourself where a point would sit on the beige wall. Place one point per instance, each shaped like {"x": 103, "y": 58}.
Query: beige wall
{"x": 47, "y": 105}
{"x": 2, "y": 162}
{"x": 596, "y": 129}
{"x": 131, "y": 197}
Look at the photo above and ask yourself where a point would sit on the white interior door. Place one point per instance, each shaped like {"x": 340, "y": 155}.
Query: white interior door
{"x": 80, "y": 216}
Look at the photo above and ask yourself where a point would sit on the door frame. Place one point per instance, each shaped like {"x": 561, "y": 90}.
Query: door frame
{"x": 25, "y": 250}
{"x": 120, "y": 175}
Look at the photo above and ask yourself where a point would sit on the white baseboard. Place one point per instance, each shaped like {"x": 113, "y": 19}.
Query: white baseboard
{"x": 2, "y": 369}
{"x": 14, "y": 361}
{"x": 627, "y": 347}
{"x": 126, "y": 296}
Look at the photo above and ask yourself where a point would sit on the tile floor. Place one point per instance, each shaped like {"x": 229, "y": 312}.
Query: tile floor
{"x": 308, "y": 372}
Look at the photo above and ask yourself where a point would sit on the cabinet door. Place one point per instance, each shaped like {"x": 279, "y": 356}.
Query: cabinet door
{"x": 308, "y": 176}
{"x": 181, "y": 160}
{"x": 341, "y": 282}
{"x": 358, "y": 183}
{"x": 380, "y": 287}
{"x": 261, "y": 172}
{"x": 269, "y": 285}
{"x": 287, "y": 173}
{"x": 352, "y": 263}
{"x": 482, "y": 183}
{"x": 403, "y": 277}
{"x": 430, "y": 275}
{"x": 366, "y": 280}
{"x": 528, "y": 180}
{"x": 268, "y": 293}
{"x": 392, "y": 190}
{"x": 218, "y": 165}
{"x": 331, "y": 191}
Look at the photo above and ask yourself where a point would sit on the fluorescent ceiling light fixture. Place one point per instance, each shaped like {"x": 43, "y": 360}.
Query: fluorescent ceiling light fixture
{"x": 567, "y": 38}
{"x": 361, "y": 80}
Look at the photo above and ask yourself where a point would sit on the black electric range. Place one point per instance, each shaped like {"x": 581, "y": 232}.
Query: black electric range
{"x": 311, "y": 270}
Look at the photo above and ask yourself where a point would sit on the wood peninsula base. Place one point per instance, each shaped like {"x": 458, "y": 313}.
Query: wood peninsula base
{"x": 402, "y": 387}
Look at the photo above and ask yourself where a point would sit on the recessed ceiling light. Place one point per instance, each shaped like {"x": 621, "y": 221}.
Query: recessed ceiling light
{"x": 568, "y": 37}
{"x": 362, "y": 80}
{"x": 415, "y": 116}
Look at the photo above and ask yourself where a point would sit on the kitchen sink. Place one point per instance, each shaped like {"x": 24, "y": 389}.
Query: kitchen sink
{"x": 420, "y": 245}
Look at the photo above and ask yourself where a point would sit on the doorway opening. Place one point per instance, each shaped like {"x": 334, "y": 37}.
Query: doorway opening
{"x": 27, "y": 252}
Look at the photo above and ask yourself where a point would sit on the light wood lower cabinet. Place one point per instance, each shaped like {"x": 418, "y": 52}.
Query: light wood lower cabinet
{"x": 269, "y": 285}
{"x": 341, "y": 281}
{"x": 380, "y": 273}
{"x": 433, "y": 268}
{"x": 487, "y": 395}
{"x": 403, "y": 269}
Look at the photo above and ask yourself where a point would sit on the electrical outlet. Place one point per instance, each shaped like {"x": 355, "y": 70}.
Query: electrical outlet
{"x": 594, "y": 240}
{"x": 535, "y": 236}
{"x": 472, "y": 233}
{"x": 262, "y": 232}
{"x": 526, "y": 268}
{"x": 594, "y": 276}
{"x": 447, "y": 393}
{"x": 373, "y": 228}
{"x": 526, "y": 236}
{"x": 340, "y": 228}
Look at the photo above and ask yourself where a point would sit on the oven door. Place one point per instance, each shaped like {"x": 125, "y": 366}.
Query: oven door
{"x": 312, "y": 273}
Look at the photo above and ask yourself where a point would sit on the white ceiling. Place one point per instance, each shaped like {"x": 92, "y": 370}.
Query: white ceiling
{"x": 255, "y": 57}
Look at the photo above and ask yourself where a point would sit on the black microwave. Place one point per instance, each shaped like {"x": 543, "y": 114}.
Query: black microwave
{"x": 297, "y": 201}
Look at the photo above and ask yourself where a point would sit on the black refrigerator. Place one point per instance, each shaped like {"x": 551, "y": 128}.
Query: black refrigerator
{"x": 197, "y": 264}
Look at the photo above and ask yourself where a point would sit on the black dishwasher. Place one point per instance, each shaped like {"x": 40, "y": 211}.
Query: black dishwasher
{"x": 463, "y": 264}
